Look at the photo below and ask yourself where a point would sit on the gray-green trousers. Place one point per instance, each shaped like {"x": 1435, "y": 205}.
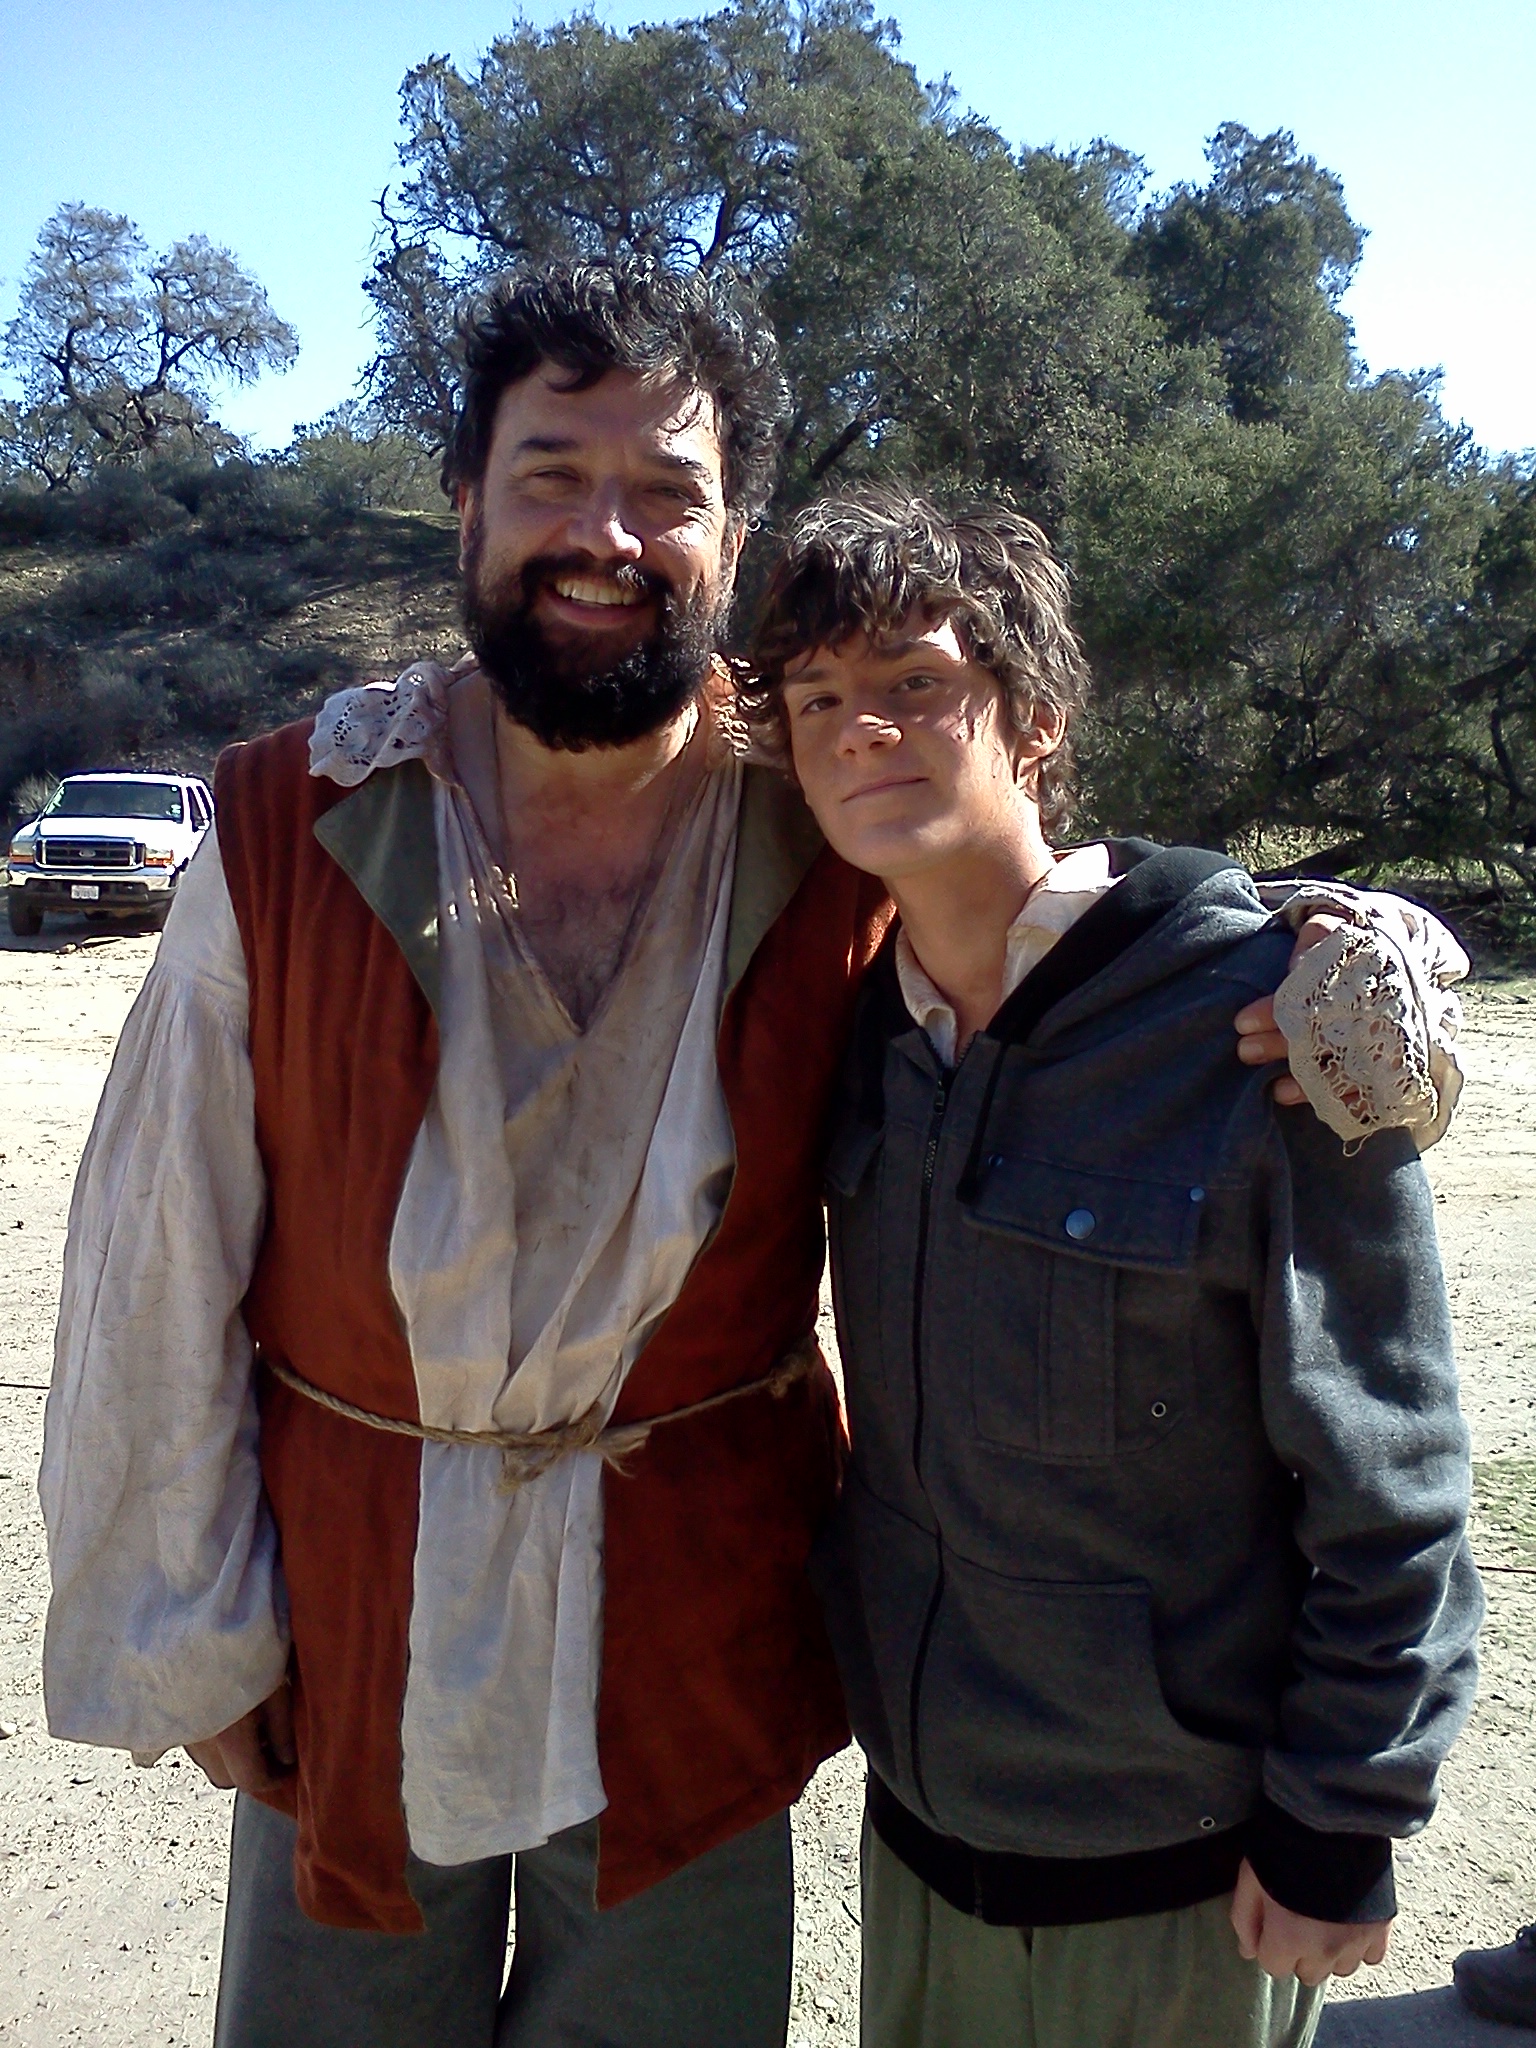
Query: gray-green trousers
{"x": 700, "y": 1960}
{"x": 935, "y": 1978}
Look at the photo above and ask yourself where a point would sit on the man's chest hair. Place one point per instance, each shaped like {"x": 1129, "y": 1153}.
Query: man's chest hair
{"x": 579, "y": 929}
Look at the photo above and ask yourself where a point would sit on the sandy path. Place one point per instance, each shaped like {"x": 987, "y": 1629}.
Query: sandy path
{"x": 112, "y": 1878}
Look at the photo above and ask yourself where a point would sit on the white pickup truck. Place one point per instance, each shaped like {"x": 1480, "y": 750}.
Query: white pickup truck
{"x": 110, "y": 845}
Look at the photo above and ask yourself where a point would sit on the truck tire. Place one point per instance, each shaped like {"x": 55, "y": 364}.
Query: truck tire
{"x": 26, "y": 921}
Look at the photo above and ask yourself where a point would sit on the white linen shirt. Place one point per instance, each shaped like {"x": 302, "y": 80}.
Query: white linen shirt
{"x": 1072, "y": 884}
{"x": 559, "y": 1188}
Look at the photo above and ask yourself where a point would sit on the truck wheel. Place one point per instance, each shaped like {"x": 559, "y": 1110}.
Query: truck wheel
{"x": 26, "y": 920}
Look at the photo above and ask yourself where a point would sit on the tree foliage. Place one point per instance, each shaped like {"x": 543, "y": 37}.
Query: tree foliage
{"x": 353, "y": 462}
{"x": 1255, "y": 262}
{"x": 1311, "y": 602}
{"x": 118, "y": 350}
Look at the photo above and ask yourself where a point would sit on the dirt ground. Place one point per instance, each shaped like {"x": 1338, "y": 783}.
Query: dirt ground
{"x": 112, "y": 1878}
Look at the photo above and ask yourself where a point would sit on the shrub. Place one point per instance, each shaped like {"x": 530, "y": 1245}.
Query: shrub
{"x": 351, "y": 464}
{"x": 302, "y": 678}
{"x": 115, "y": 509}
{"x": 121, "y": 506}
{"x": 32, "y": 796}
{"x": 244, "y": 502}
{"x": 33, "y": 653}
{"x": 107, "y": 718}
{"x": 187, "y": 482}
{"x": 181, "y": 580}
{"x": 29, "y": 514}
{"x": 215, "y": 685}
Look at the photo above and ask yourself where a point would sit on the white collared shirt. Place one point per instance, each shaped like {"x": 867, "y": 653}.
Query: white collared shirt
{"x": 1072, "y": 885}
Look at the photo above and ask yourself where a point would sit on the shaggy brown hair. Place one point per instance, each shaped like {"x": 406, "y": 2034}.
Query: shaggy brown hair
{"x": 627, "y": 314}
{"x": 862, "y": 563}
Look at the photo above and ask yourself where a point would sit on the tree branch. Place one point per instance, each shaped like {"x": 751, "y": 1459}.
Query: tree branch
{"x": 830, "y": 457}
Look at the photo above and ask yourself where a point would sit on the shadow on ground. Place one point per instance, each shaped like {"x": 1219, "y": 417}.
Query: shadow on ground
{"x": 64, "y": 933}
{"x": 1422, "y": 2019}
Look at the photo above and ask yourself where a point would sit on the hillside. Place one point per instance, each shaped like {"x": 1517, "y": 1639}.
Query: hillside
{"x": 147, "y": 625}
{"x": 155, "y": 614}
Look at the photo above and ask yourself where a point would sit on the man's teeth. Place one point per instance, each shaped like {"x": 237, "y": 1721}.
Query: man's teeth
{"x": 589, "y": 590}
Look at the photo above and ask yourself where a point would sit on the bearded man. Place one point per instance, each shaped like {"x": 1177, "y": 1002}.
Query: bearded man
{"x": 438, "y": 1433}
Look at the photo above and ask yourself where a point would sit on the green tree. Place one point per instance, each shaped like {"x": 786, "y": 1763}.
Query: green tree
{"x": 118, "y": 351}
{"x": 1487, "y": 658}
{"x": 942, "y": 304}
{"x": 704, "y": 142}
{"x": 1308, "y": 599}
{"x": 967, "y": 319}
{"x": 1306, "y": 610}
{"x": 354, "y": 463}
{"x": 1266, "y": 605}
{"x": 1256, "y": 262}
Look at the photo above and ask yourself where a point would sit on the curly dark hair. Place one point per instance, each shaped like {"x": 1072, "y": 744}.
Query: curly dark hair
{"x": 863, "y": 562}
{"x": 628, "y": 314}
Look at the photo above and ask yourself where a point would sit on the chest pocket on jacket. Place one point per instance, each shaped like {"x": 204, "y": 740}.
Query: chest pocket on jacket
{"x": 1085, "y": 1292}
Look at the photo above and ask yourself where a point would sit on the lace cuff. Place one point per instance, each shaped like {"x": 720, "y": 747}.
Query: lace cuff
{"x": 1369, "y": 1014}
{"x": 379, "y": 725}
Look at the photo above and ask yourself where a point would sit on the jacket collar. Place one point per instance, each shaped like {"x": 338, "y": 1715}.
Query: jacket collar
{"x": 1168, "y": 889}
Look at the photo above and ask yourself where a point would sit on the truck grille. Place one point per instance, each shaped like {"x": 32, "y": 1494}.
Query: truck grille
{"x": 88, "y": 853}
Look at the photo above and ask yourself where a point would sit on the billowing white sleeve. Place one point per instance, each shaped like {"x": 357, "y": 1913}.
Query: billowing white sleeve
{"x": 168, "y": 1619}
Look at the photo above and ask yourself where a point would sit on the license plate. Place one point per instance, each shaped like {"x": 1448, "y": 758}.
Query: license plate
{"x": 85, "y": 892}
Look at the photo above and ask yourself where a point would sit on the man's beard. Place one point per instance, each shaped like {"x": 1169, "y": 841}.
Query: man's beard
{"x": 556, "y": 692}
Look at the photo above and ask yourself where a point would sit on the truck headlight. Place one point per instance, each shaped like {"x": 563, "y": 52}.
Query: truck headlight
{"x": 155, "y": 858}
{"x": 23, "y": 857}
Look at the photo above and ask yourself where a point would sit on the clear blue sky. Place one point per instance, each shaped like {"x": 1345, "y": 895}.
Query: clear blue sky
{"x": 270, "y": 125}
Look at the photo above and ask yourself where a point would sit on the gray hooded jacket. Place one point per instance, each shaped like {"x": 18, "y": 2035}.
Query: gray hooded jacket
{"x": 1155, "y": 1523}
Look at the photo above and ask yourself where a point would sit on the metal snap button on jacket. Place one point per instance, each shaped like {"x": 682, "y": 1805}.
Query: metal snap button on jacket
{"x": 1080, "y": 1224}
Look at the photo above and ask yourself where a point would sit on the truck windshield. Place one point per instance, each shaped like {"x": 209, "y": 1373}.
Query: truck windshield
{"x": 118, "y": 800}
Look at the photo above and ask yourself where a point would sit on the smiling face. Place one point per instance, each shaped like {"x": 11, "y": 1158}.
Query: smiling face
{"x": 905, "y": 752}
{"x": 598, "y": 554}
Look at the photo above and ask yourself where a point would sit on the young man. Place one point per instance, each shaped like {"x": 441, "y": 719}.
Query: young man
{"x": 1149, "y": 1582}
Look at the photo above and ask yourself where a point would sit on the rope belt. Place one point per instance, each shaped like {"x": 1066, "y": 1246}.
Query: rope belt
{"x": 526, "y": 1453}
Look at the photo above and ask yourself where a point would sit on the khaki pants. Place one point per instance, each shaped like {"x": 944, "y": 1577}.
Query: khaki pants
{"x": 935, "y": 1978}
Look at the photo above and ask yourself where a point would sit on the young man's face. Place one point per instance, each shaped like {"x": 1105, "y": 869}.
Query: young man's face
{"x": 598, "y": 554}
{"x": 903, "y": 749}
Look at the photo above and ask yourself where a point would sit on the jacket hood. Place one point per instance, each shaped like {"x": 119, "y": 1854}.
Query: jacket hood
{"x": 1172, "y": 907}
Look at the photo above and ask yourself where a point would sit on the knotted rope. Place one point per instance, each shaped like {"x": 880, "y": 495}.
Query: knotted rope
{"x": 526, "y": 1453}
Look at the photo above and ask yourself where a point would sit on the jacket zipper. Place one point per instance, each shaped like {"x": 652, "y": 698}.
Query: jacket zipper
{"x": 925, "y": 1202}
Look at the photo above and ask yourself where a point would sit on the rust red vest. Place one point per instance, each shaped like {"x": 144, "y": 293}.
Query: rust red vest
{"x": 718, "y": 1695}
